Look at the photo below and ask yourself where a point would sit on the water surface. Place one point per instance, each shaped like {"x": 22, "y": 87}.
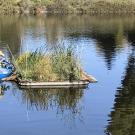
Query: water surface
{"x": 106, "y": 47}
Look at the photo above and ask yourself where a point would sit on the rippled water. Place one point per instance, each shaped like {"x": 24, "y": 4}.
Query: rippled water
{"x": 106, "y": 47}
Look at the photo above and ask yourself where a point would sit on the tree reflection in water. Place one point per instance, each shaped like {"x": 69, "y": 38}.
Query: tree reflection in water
{"x": 122, "y": 120}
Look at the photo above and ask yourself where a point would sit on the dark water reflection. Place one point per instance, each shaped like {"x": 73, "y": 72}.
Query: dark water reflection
{"x": 106, "y": 47}
{"x": 122, "y": 120}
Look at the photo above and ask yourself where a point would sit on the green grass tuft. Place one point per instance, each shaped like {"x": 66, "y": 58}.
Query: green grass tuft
{"x": 60, "y": 64}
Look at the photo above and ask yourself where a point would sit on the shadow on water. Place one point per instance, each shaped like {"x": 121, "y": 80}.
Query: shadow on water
{"x": 122, "y": 118}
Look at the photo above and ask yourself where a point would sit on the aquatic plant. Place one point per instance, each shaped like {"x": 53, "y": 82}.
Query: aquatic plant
{"x": 65, "y": 63}
{"x": 60, "y": 64}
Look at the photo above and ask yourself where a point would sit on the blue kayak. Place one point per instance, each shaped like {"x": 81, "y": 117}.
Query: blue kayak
{"x": 6, "y": 70}
{"x": 5, "y": 73}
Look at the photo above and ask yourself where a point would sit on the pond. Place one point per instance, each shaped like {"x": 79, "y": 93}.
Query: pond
{"x": 106, "y": 48}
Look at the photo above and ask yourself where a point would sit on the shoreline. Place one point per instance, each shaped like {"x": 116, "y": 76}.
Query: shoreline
{"x": 103, "y": 7}
{"x": 91, "y": 13}
{"x": 104, "y": 14}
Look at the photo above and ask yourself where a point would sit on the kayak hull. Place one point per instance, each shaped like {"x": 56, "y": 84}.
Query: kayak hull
{"x": 4, "y": 73}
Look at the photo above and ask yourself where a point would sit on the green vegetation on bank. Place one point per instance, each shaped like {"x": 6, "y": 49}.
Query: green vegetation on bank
{"x": 60, "y": 65}
{"x": 67, "y": 6}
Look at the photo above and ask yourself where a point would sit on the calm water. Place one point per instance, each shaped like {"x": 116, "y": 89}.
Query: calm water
{"x": 106, "y": 47}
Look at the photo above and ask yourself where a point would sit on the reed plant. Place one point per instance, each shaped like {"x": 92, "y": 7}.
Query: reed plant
{"x": 65, "y": 63}
{"x": 60, "y": 64}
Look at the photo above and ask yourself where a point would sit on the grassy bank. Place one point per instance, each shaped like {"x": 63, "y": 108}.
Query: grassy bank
{"x": 70, "y": 6}
{"x": 58, "y": 65}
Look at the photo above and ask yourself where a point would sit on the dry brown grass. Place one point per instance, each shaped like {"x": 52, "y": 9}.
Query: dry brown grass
{"x": 44, "y": 70}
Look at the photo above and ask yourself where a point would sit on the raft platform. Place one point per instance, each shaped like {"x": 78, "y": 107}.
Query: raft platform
{"x": 65, "y": 84}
